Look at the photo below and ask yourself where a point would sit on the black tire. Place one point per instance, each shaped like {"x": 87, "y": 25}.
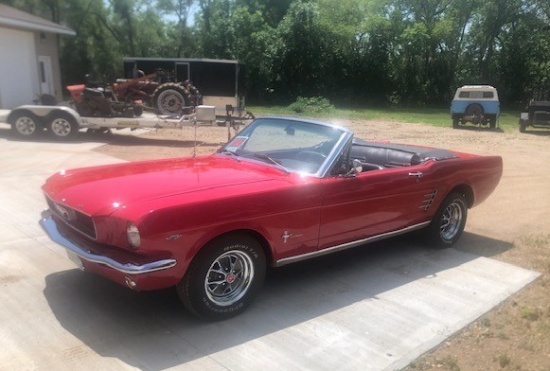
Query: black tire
{"x": 170, "y": 99}
{"x": 448, "y": 222}
{"x": 25, "y": 124}
{"x": 138, "y": 110}
{"x": 493, "y": 122}
{"x": 224, "y": 278}
{"x": 63, "y": 126}
{"x": 474, "y": 109}
{"x": 522, "y": 127}
{"x": 455, "y": 122}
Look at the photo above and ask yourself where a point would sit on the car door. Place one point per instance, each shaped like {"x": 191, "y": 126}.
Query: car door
{"x": 374, "y": 202}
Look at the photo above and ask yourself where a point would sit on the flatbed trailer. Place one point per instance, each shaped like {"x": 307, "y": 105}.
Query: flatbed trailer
{"x": 63, "y": 122}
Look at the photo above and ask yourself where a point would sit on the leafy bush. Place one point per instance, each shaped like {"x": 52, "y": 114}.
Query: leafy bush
{"x": 311, "y": 105}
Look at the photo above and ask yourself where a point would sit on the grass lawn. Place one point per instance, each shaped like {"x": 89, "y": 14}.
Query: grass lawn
{"x": 508, "y": 121}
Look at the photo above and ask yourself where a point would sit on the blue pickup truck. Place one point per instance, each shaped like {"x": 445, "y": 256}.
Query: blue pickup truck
{"x": 475, "y": 104}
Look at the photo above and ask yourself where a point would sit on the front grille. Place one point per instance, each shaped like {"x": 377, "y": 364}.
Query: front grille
{"x": 74, "y": 218}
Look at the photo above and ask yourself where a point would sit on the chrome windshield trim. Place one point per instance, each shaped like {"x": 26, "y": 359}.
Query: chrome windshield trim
{"x": 345, "y": 136}
{"x": 333, "y": 249}
{"x": 49, "y": 226}
{"x": 334, "y": 154}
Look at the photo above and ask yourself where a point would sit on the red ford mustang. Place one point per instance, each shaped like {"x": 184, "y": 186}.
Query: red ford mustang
{"x": 282, "y": 190}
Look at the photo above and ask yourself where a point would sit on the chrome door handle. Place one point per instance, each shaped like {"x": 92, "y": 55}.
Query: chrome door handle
{"x": 417, "y": 174}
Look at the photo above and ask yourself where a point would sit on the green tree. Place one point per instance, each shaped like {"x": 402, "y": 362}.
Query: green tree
{"x": 182, "y": 37}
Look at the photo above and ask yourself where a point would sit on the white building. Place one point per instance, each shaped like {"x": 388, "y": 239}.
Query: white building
{"x": 29, "y": 57}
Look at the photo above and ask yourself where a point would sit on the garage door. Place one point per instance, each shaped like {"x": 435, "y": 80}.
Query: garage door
{"x": 18, "y": 71}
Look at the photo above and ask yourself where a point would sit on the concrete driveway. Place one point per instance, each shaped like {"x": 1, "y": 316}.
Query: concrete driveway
{"x": 375, "y": 308}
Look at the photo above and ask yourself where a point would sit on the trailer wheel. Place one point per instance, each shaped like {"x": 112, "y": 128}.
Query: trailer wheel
{"x": 25, "y": 124}
{"x": 63, "y": 126}
{"x": 170, "y": 99}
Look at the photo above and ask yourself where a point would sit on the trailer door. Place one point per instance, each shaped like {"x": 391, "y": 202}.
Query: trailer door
{"x": 182, "y": 71}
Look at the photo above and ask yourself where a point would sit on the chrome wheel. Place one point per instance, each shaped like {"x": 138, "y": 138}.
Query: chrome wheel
{"x": 229, "y": 278}
{"x": 25, "y": 126}
{"x": 448, "y": 222}
{"x": 224, "y": 278}
{"x": 61, "y": 127}
{"x": 451, "y": 221}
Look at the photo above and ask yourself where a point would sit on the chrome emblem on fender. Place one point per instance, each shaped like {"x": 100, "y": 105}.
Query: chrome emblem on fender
{"x": 286, "y": 235}
{"x": 173, "y": 237}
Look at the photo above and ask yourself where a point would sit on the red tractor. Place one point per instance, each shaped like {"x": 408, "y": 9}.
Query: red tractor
{"x": 128, "y": 97}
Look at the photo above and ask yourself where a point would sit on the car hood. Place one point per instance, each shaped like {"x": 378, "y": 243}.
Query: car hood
{"x": 104, "y": 189}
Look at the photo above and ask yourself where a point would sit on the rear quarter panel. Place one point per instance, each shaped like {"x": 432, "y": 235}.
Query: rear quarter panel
{"x": 481, "y": 174}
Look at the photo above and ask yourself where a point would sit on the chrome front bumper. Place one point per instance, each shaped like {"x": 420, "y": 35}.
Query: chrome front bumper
{"x": 49, "y": 225}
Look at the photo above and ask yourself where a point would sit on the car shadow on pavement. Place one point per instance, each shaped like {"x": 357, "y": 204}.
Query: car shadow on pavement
{"x": 152, "y": 330}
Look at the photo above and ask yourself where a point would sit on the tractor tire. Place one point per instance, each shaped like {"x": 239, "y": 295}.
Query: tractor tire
{"x": 170, "y": 99}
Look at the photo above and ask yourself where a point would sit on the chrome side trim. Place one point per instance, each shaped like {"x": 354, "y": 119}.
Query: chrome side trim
{"x": 50, "y": 228}
{"x": 348, "y": 245}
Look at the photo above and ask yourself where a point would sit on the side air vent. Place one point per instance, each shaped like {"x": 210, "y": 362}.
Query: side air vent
{"x": 428, "y": 200}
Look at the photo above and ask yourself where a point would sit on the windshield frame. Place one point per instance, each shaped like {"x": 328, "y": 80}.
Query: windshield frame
{"x": 342, "y": 137}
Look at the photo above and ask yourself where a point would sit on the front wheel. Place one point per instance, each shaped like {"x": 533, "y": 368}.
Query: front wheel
{"x": 448, "y": 222}
{"x": 224, "y": 277}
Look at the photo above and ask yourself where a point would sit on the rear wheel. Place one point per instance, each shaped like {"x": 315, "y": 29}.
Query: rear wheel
{"x": 493, "y": 122}
{"x": 224, "y": 277}
{"x": 449, "y": 221}
{"x": 25, "y": 124}
{"x": 170, "y": 99}
{"x": 63, "y": 126}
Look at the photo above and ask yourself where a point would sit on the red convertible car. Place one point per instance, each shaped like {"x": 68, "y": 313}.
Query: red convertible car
{"x": 280, "y": 191}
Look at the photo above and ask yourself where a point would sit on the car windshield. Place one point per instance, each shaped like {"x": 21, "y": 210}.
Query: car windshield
{"x": 292, "y": 145}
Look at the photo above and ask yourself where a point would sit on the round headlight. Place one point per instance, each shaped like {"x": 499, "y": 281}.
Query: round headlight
{"x": 133, "y": 235}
